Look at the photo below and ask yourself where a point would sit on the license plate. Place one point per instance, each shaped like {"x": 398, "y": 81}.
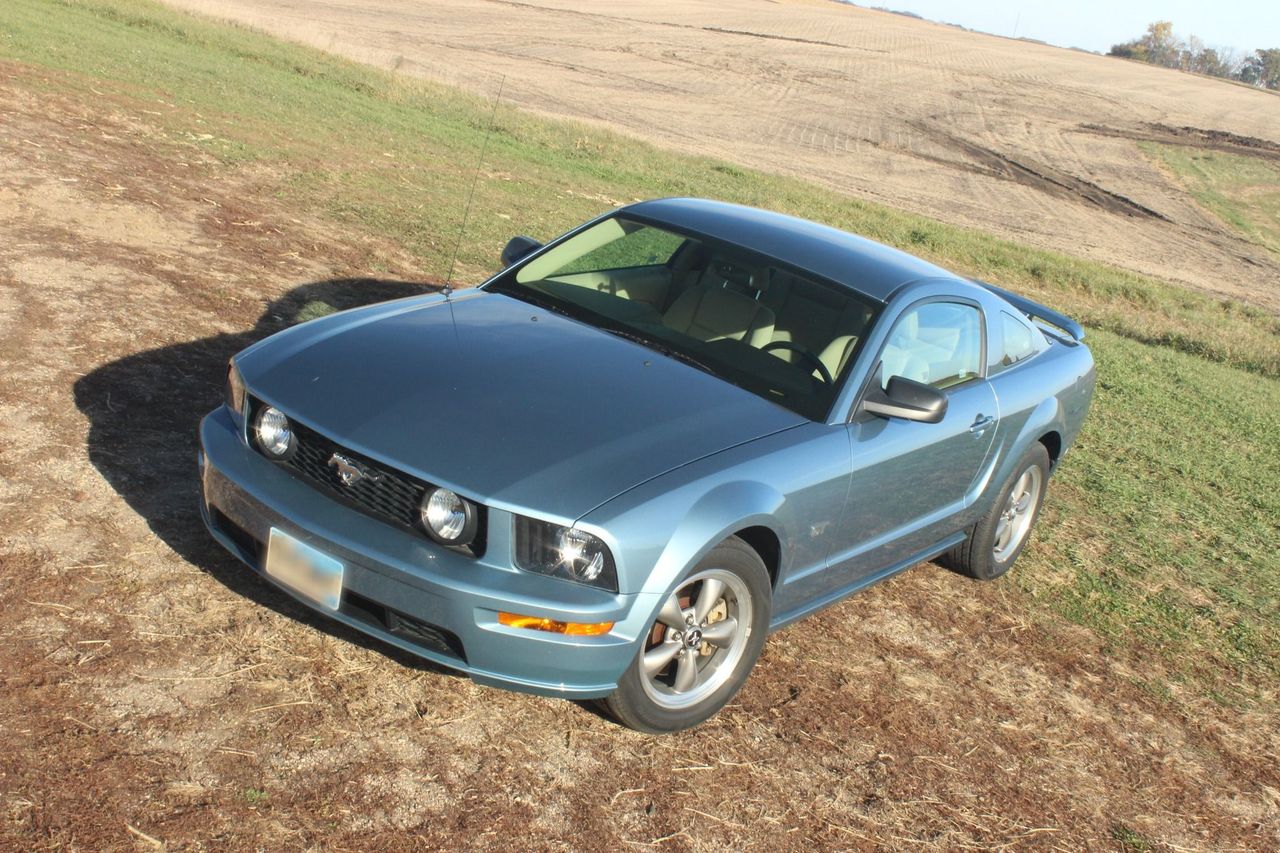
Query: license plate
{"x": 300, "y": 567}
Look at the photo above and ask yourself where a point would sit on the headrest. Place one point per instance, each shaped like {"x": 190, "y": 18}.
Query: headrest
{"x": 742, "y": 276}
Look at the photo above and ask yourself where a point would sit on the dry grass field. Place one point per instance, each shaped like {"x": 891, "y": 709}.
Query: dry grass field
{"x": 1034, "y": 143}
{"x": 171, "y": 191}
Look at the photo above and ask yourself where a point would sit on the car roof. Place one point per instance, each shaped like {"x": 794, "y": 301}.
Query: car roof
{"x": 863, "y": 265}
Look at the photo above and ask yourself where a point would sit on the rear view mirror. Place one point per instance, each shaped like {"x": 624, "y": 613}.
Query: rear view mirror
{"x": 517, "y": 248}
{"x": 907, "y": 399}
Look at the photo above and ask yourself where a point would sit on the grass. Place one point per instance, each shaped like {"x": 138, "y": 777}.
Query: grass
{"x": 1162, "y": 538}
{"x": 1130, "y": 840}
{"x": 1242, "y": 191}
{"x": 397, "y": 157}
{"x": 1167, "y": 507}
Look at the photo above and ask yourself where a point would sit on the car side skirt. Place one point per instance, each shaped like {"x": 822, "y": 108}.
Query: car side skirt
{"x": 782, "y": 620}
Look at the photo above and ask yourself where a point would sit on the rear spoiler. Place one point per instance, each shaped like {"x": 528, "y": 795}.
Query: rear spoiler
{"x": 1036, "y": 311}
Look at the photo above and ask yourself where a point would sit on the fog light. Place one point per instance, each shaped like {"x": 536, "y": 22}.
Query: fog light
{"x": 274, "y": 434}
{"x": 537, "y": 623}
{"x": 450, "y": 519}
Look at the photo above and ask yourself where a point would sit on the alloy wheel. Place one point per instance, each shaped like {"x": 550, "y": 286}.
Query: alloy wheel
{"x": 1017, "y": 515}
{"x": 698, "y": 639}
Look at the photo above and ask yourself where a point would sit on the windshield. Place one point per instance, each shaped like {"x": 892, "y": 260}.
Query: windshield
{"x": 721, "y": 308}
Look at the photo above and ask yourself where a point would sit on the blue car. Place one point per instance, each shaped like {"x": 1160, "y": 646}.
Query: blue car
{"x": 614, "y": 468}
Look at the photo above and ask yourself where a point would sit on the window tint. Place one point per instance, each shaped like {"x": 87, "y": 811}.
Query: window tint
{"x": 629, "y": 245}
{"x": 1019, "y": 339}
{"x": 939, "y": 344}
{"x": 731, "y": 313}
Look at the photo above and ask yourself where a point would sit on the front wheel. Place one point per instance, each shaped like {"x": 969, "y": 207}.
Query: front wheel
{"x": 700, "y": 647}
{"x": 995, "y": 542}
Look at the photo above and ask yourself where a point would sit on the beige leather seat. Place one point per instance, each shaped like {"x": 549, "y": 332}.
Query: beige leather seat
{"x": 938, "y": 344}
{"x": 825, "y": 323}
{"x": 899, "y": 361}
{"x": 709, "y": 311}
{"x": 713, "y": 314}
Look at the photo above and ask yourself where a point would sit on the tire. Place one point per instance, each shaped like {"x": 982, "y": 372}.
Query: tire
{"x": 691, "y": 676}
{"x": 996, "y": 540}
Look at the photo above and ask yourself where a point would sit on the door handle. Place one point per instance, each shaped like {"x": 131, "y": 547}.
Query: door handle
{"x": 981, "y": 425}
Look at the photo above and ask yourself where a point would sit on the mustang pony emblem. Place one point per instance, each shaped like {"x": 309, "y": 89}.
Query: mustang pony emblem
{"x": 350, "y": 471}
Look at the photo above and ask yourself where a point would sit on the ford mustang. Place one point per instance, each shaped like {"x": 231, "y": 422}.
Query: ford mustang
{"x": 613, "y": 469}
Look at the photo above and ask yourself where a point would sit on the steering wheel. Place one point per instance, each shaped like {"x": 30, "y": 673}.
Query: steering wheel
{"x": 806, "y": 354}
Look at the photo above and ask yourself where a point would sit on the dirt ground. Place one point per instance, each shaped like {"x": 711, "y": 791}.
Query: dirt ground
{"x": 1034, "y": 143}
{"x": 155, "y": 695}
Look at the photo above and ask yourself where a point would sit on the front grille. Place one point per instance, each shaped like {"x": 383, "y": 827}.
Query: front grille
{"x": 391, "y": 496}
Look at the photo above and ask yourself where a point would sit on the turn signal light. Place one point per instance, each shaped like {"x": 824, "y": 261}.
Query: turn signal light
{"x": 537, "y": 623}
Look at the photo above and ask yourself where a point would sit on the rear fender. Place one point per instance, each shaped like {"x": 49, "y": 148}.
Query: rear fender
{"x": 1047, "y": 417}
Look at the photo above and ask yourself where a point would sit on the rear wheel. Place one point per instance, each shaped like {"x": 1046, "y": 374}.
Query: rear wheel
{"x": 995, "y": 542}
{"x": 701, "y": 646}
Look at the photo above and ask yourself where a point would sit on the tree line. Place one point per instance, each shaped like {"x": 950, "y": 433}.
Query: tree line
{"x": 1160, "y": 46}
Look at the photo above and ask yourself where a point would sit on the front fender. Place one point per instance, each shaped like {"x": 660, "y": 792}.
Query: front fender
{"x": 783, "y": 483}
{"x": 710, "y": 518}
{"x": 655, "y": 541}
{"x": 717, "y": 515}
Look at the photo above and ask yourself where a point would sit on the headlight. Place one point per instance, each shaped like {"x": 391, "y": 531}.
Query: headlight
{"x": 564, "y": 552}
{"x": 273, "y": 433}
{"x": 235, "y": 389}
{"x": 450, "y": 519}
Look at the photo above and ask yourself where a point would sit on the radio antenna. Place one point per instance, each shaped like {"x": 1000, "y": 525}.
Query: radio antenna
{"x": 448, "y": 282}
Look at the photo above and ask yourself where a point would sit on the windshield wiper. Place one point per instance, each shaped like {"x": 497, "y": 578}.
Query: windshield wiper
{"x": 534, "y": 297}
{"x": 531, "y": 296}
{"x": 664, "y": 349}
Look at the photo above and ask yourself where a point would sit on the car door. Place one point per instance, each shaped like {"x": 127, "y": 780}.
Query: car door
{"x": 909, "y": 480}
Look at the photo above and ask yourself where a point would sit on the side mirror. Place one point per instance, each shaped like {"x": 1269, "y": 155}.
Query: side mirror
{"x": 517, "y": 248}
{"x": 907, "y": 399}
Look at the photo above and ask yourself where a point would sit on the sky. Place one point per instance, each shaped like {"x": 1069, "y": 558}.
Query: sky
{"x": 1098, "y": 24}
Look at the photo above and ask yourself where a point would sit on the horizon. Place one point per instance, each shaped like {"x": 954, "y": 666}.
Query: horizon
{"x": 1245, "y": 25}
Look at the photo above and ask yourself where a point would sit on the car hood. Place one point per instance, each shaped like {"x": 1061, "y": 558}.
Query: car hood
{"x": 505, "y": 402}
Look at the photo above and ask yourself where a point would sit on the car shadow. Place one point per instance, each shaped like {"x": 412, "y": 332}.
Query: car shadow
{"x": 144, "y": 411}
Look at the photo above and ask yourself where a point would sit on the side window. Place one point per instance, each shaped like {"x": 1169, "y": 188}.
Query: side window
{"x": 1019, "y": 339}
{"x": 938, "y": 343}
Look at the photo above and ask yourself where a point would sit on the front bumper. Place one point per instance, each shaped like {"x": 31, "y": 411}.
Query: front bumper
{"x": 411, "y": 593}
